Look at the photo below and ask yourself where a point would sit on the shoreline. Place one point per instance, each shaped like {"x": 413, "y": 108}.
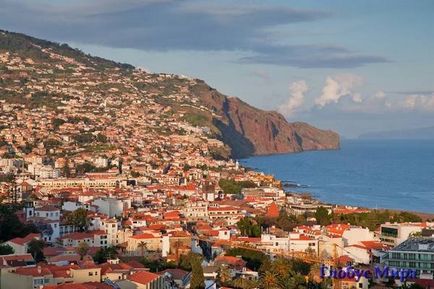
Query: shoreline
{"x": 424, "y": 215}
{"x": 351, "y": 177}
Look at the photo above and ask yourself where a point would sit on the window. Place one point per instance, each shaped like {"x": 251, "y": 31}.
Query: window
{"x": 90, "y": 273}
{"x": 389, "y": 232}
{"x": 360, "y": 285}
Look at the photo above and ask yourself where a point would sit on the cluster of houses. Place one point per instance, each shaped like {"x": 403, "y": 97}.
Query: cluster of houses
{"x": 151, "y": 188}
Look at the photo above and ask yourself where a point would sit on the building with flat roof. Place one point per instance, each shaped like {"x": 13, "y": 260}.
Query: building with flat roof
{"x": 414, "y": 253}
{"x": 393, "y": 234}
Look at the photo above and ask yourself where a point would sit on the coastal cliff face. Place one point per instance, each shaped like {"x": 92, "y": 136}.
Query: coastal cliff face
{"x": 251, "y": 131}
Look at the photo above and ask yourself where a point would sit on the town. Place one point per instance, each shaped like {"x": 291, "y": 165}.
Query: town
{"x": 113, "y": 177}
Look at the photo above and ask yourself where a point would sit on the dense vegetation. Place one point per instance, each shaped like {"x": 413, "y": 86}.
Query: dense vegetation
{"x": 375, "y": 218}
{"x": 10, "y": 225}
{"x": 27, "y": 46}
{"x": 277, "y": 274}
{"x": 230, "y": 186}
{"x": 254, "y": 259}
{"x": 249, "y": 227}
{"x": 198, "y": 120}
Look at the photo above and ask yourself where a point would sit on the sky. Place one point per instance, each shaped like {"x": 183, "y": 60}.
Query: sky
{"x": 352, "y": 66}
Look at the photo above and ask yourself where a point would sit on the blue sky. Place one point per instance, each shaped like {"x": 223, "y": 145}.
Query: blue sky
{"x": 352, "y": 66}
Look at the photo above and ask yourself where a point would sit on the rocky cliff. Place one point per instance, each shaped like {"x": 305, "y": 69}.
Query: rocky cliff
{"x": 251, "y": 131}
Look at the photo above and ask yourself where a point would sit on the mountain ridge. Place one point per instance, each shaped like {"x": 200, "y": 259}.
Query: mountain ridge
{"x": 247, "y": 130}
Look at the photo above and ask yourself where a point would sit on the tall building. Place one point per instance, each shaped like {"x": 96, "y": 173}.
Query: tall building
{"x": 414, "y": 253}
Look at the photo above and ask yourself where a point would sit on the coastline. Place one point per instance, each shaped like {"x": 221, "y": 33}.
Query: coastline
{"x": 407, "y": 196}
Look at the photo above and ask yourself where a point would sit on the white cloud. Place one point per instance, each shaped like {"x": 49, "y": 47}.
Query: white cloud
{"x": 417, "y": 102}
{"x": 296, "y": 99}
{"x": 337, "y": 87}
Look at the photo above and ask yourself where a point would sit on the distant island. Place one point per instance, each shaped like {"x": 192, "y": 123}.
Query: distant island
{"x": 416, "y": 133}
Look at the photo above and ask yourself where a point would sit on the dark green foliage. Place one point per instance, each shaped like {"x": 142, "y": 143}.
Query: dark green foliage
{"x": 249, "y": 227}
{"x": 57, "y": 122}
{"x": 25, "y": 46}
{"x": 135, "y": 174}
{"x": 412, "y": 286}
{"x": 375, "y": 218}
{"x": 3, "y": 142}
{"x": 197, "y": 278}
{"x": 35, "y": 248}
{"x": 184, "y": 262}
{"x": 253, "y": 258}
{"x": 52, "y": 143}
{"x": 5, "y": 249}
{"x": 86, "y": 167}
{"x": 322, "y": 216}
{"x": 78, "y": 119}
{"x": 186, "y": 167}
{"x": 27, "y": 148}
{"x": 284, "y": 221}
{"x": 10, "y": 225}
{"x": 157, "y": 265}
{"x": 284, "y": 273}
{"x": 101, "y": 138}
{"x": 196, "y": 119}
{"x": 84, "y": 138}
{"x": 79, "y": 219}
{"x": 230, "y": 186}
{"x": 7, "y": 178}
{"x": 9, "y": 155}
{"x": 104, "y": 254}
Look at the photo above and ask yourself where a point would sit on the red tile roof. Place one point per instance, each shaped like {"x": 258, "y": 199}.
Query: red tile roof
{"x": 143, "y": 277}
{"x": 144, "y": 236}
{"x": 26, "y": 239}
{"x": 272, "y": 211}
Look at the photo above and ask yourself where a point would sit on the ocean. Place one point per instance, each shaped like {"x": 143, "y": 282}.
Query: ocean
{"x": 393, "y": 174}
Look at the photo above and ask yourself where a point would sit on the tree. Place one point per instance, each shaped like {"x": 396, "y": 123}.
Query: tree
{"x": 86, "y": 167}
{"x": 244, "y": 283}
{"x": 143, "y": 247}
{"x": 10, "y": 225}
{"x": 6, "y": 249}
{"x": 224, "y": 275}
{"x": 285, "y": 222}
{"x": 197, "y": 278}
{"x": 282, "y": 274}
{"x": 35, "y": 248}
{"x": 79, "y": 219}
{"x": 249, "y": 227}
{"x": 82, "y": 249}
{"x": 230, "y": 186}
{"x": 254, "y": 259}
{"x": 412, "y": 286}
{"x": 268, "y": 280}
{"x": 322, "y": 216}
{"x": 104, "y": 254}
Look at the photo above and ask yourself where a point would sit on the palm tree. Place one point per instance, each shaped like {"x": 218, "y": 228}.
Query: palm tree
{"x": 224, "y": 275}
{"x": 268, "y": 280}
{"x": 143, "y": 247}
{"x": 244, "y": 283}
